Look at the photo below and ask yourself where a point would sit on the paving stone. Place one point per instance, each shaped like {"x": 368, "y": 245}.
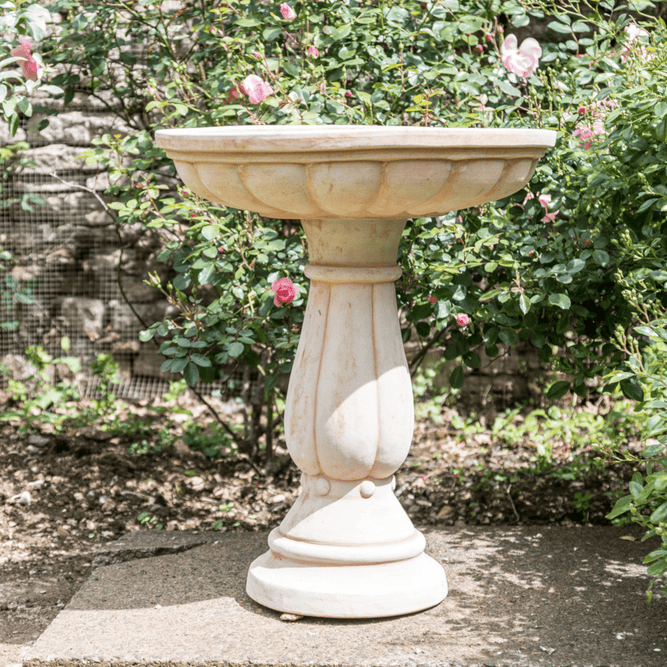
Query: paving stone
{"x": 147, "y": 544}
{"x": 520, "y": 597}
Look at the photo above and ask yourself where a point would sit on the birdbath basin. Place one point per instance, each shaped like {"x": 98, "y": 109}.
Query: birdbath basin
{"x": 347, "y": 549}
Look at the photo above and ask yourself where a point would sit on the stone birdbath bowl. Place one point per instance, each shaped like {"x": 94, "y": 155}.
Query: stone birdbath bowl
{"x": 347, "y": 549}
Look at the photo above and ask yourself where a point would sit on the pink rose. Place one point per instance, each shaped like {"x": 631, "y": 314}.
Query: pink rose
{"x": 255, "y": 88}
{"x": 524, "y": 60}
{"x": 432, "y": 299}
{"x": 28, "y": 64}
{"x": 581, "y": 109}
{"x": 479, "y": 48}
{"x": 462, "y": 320}
{"x": 634, "y": 32}
{"x": 233, "y": 95}
{"x": 288, "y": 13}
{"x": 348, "y": 93}
{"x": 587, "y": 134}
{"x": 598, "y": 127}
{"x": 313, "y": 51}
{"x": 285, "y": 291}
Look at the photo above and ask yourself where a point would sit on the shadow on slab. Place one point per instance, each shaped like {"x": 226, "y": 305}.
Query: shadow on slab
{"x": 576, "y": 593}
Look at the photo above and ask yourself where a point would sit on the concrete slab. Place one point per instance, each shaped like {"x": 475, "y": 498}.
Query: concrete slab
{"x": 525, "y": 596}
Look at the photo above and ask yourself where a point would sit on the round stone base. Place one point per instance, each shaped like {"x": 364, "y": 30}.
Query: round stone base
{"x": 346, "y": 591}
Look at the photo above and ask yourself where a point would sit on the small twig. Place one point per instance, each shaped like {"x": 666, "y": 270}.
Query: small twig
{"x": 238, "y": 441}
{"x": 120, "y": 242}
{"x": 509, "y": 495}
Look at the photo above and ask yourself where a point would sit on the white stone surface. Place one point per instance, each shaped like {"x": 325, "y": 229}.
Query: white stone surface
{"x": 347, "y": 548}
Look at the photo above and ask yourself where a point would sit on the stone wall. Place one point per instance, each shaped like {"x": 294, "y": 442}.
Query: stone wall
{"x": 68, "y": 251}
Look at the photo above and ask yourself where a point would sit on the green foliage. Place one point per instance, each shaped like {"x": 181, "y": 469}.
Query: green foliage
{"x": 51, "y": 394}
{"x": 573, "y": 432}
{"x": 520, "y": 272}
{"x": 37, "y": 399}
{"x": 644, "y": 377}
{"x": 12, "y": 292}
{"x": 214, "y": 441}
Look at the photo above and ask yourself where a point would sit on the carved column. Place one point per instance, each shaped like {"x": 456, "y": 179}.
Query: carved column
{"x": 348, "y": 424}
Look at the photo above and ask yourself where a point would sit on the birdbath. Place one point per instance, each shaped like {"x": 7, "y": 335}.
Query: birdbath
{"x": 347, "y": 549}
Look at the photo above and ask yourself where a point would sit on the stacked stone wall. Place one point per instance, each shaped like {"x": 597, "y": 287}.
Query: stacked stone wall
{"x": 67, "y": 252}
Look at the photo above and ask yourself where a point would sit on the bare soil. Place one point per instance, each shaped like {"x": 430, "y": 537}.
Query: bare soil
{"x": 86, "y": 489}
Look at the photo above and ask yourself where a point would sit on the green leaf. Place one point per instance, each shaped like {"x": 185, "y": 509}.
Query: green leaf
{"x": 509, "y": 336}
{"x": 472, "y": 360}
{"x": 457, "y": 377}
{"x": 191, "y": 374}
{"x": 658, "y": 568}
{"x": 146, "y": 335}
{"x": 560, "y": 28}
{"x": 508, "y": 88}
{"x": 423, "y": 329}
{"x": 200, "y": 360}
{"x": 524, "y": 303}
{"x": 244, "y": 22}
{"x": 210, "y": 232}
{"x": 636, "y": 489}
{"x": 575, "y": 266}
{"x": 13, "y": 123}
{"x": 622, "y": 505}
{"x": 560, "y": 300}
{"x": 646, "y": 331}
{"x": 341, "y": 32}
{"x": 166, "y": 366}
{"x": 24, "y": 298}
{"x": 580, "y": 26}
{"x": 206, "y": 274}
{"x": 659, "y": 514}
{"x": 601, "y": 257}
{"x": 182, "y": 281}
{"x": 442, "y": 310}
{"x": 271, "y": 33}
{"x": 538, "y": 340}
{"x": 558, "y": 389}
{"x": 235, "y": 349}
{"x": 24, "y": 106}
{"x": 652, "y": 450}
{"x": 178, "y": 364}
{"x": 632, "y": 391}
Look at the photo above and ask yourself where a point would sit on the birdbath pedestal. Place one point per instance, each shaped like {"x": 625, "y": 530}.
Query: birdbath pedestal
{"x": 347, "y": 549}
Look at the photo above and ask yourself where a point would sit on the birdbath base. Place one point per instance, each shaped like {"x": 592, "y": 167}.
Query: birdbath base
{"x": 351, "y": 567}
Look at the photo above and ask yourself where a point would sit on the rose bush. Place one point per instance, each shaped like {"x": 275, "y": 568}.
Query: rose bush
{"x": 405, "y": 62}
